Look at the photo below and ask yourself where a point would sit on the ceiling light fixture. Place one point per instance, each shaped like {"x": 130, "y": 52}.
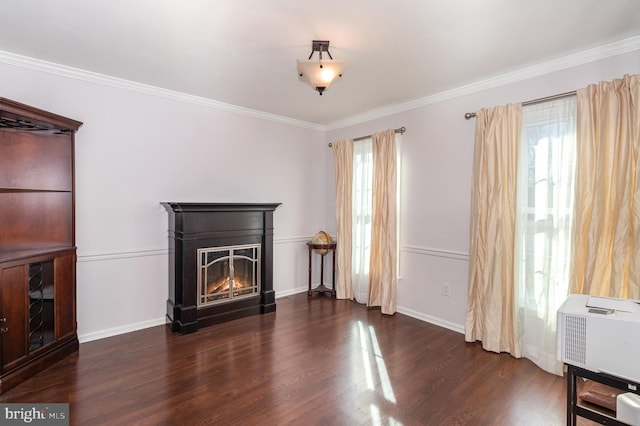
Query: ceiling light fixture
{"x": 320, "y": 74}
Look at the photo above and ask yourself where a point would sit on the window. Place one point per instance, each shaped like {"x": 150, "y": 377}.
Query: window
{"x": 362, "y": 193}
{"x": 545, "y": 194}
{"x": 362, "y": 206}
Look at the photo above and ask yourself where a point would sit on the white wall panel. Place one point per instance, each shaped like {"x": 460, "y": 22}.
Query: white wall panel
{"x": 136, "y": 150}
{"x": 290, "y": 266}
{"x": 121, "y": 293}
{"x": 420, "y": 291}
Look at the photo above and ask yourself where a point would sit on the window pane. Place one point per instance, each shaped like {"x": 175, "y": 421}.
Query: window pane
{"x": 544, "y": 222}
{"x": 362, "y": 201}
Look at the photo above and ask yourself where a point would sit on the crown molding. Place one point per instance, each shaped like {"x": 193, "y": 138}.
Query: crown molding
{"x": 536, "y": 70}
{"x": 119, "y": 83}
{"x": 568, "y": 61}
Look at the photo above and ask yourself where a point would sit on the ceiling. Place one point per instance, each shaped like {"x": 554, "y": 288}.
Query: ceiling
{"x": 244, "y": 52}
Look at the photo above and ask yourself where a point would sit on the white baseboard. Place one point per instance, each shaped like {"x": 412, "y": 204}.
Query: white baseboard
{"x": 433, "y": 320}
{"x": 291, "y": 292}
{"x": 102, "y": 334}
{"x": 110, "y": 332}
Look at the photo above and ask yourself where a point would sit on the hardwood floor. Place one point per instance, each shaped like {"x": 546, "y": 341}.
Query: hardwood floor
{"x": 317, "y": 362}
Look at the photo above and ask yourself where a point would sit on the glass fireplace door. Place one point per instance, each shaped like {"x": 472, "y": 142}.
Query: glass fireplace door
{"x": 226, "y": 273}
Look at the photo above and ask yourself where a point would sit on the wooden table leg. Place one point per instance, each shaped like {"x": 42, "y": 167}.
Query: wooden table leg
{"x": 321, "y": 286}
{"x": 572, "y": 397}
{"x": 333, "y": 270}
{"x": 309, "y": 292}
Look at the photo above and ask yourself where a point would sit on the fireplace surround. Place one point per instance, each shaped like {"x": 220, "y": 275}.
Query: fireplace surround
{"x": 213, "y": 242}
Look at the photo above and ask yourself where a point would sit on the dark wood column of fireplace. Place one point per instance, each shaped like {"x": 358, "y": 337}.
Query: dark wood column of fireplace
{"x": 203, "y": 225}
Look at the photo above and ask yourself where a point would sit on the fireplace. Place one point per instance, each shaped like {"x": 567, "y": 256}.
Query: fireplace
{"x": 220, "y": 263}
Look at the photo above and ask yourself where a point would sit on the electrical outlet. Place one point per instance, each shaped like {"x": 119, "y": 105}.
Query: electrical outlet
{"x": 446, "y": 289}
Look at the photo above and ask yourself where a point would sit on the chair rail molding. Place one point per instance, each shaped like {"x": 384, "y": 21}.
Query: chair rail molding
{"x": 426, "y": 251}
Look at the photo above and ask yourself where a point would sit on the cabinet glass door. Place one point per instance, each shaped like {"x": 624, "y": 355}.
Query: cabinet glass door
{"x": 41, "y": 306}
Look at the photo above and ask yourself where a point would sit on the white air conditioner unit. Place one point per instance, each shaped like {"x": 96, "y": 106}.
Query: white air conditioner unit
{"x": 600, "y": 334}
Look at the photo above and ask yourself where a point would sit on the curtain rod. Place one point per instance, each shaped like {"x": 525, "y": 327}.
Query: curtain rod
{"x": 400, "y": 130}
{"x": 470, "y": 115}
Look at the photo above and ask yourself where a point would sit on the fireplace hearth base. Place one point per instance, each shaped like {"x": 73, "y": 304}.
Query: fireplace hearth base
{"x": 194, "y": 226}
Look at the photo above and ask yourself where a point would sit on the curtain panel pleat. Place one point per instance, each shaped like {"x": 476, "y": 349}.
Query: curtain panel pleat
{"x": 606, "y": 236}
{"x": 343, "y": 158}
{"x": 383, "y": 266}
{"x": 490, "y": 314}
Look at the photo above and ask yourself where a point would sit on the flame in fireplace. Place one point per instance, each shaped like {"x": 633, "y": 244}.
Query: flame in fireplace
{"x": 224, "y": 284}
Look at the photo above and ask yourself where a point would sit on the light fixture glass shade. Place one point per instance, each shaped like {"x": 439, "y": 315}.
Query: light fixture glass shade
{"x": 320, "y": 74}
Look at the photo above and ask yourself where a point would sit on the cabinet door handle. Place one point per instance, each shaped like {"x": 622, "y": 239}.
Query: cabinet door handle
{"x": 3, "y": 320}
{"x": 3, "y": 330}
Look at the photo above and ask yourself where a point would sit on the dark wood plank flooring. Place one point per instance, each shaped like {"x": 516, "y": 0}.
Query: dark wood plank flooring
{"x": 316, "y": 362}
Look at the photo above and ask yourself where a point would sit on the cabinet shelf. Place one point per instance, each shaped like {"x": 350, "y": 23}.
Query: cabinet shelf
{"x": 10, "y": 255}
{"x": 592, "y": 412}
{"x": 47, "y": 295}
{"x": 30, "y": 190}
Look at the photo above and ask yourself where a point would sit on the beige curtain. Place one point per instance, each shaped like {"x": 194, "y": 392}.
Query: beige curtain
{"x": 606, "y": 235}
{"x": 384, "y": 256}
{"x": 343, "y": 160}
{"x": 490, "y": 306}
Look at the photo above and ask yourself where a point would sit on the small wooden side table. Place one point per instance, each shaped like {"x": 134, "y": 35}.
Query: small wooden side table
{"x": 321, "y": 288}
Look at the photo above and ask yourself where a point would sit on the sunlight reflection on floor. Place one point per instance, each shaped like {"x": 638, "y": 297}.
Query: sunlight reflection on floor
{"x": 372, "y": 355}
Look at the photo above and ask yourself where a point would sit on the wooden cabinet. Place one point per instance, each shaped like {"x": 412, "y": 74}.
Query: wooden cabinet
{"x": 37, "y": 241}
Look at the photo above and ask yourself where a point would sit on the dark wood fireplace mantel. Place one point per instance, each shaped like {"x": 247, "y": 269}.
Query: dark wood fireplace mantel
{"x": 202, "y": 225}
